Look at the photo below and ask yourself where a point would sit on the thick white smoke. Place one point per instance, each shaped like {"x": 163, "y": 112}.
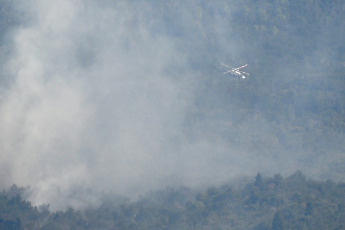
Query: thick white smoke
{"x": 91, "y": 105}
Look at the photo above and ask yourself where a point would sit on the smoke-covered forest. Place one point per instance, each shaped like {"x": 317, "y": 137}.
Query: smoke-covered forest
{"x": 117, "y": 114}
{"x": 262, "y": 204}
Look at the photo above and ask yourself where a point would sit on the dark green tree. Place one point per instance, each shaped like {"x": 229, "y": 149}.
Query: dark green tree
{"x": 309, "y": 209}
{"x": 278, "y": 222}
{"x": 258, "y": 180}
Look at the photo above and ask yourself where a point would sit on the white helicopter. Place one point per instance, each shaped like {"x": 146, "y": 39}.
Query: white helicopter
{"x": 236, "y": 71}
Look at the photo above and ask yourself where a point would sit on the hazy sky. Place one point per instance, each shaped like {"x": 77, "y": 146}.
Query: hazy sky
{"x": 103, "y": 96}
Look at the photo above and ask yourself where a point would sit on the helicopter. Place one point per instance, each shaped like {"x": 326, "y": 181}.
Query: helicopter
{"x": 236, "y": 71}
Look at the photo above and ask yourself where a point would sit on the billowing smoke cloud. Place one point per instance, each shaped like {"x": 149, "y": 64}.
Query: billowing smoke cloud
{"x": 104, "y": 97}
{"x": 91, "y": 104}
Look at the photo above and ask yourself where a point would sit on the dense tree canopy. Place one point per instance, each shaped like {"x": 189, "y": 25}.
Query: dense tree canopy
{"x": 266, "y": 203}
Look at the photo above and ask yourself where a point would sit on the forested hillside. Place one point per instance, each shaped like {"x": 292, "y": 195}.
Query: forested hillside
{"x": 294, "y": 202}
{"x": 293, "y": 101}
{"x": 100, "y": 100}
